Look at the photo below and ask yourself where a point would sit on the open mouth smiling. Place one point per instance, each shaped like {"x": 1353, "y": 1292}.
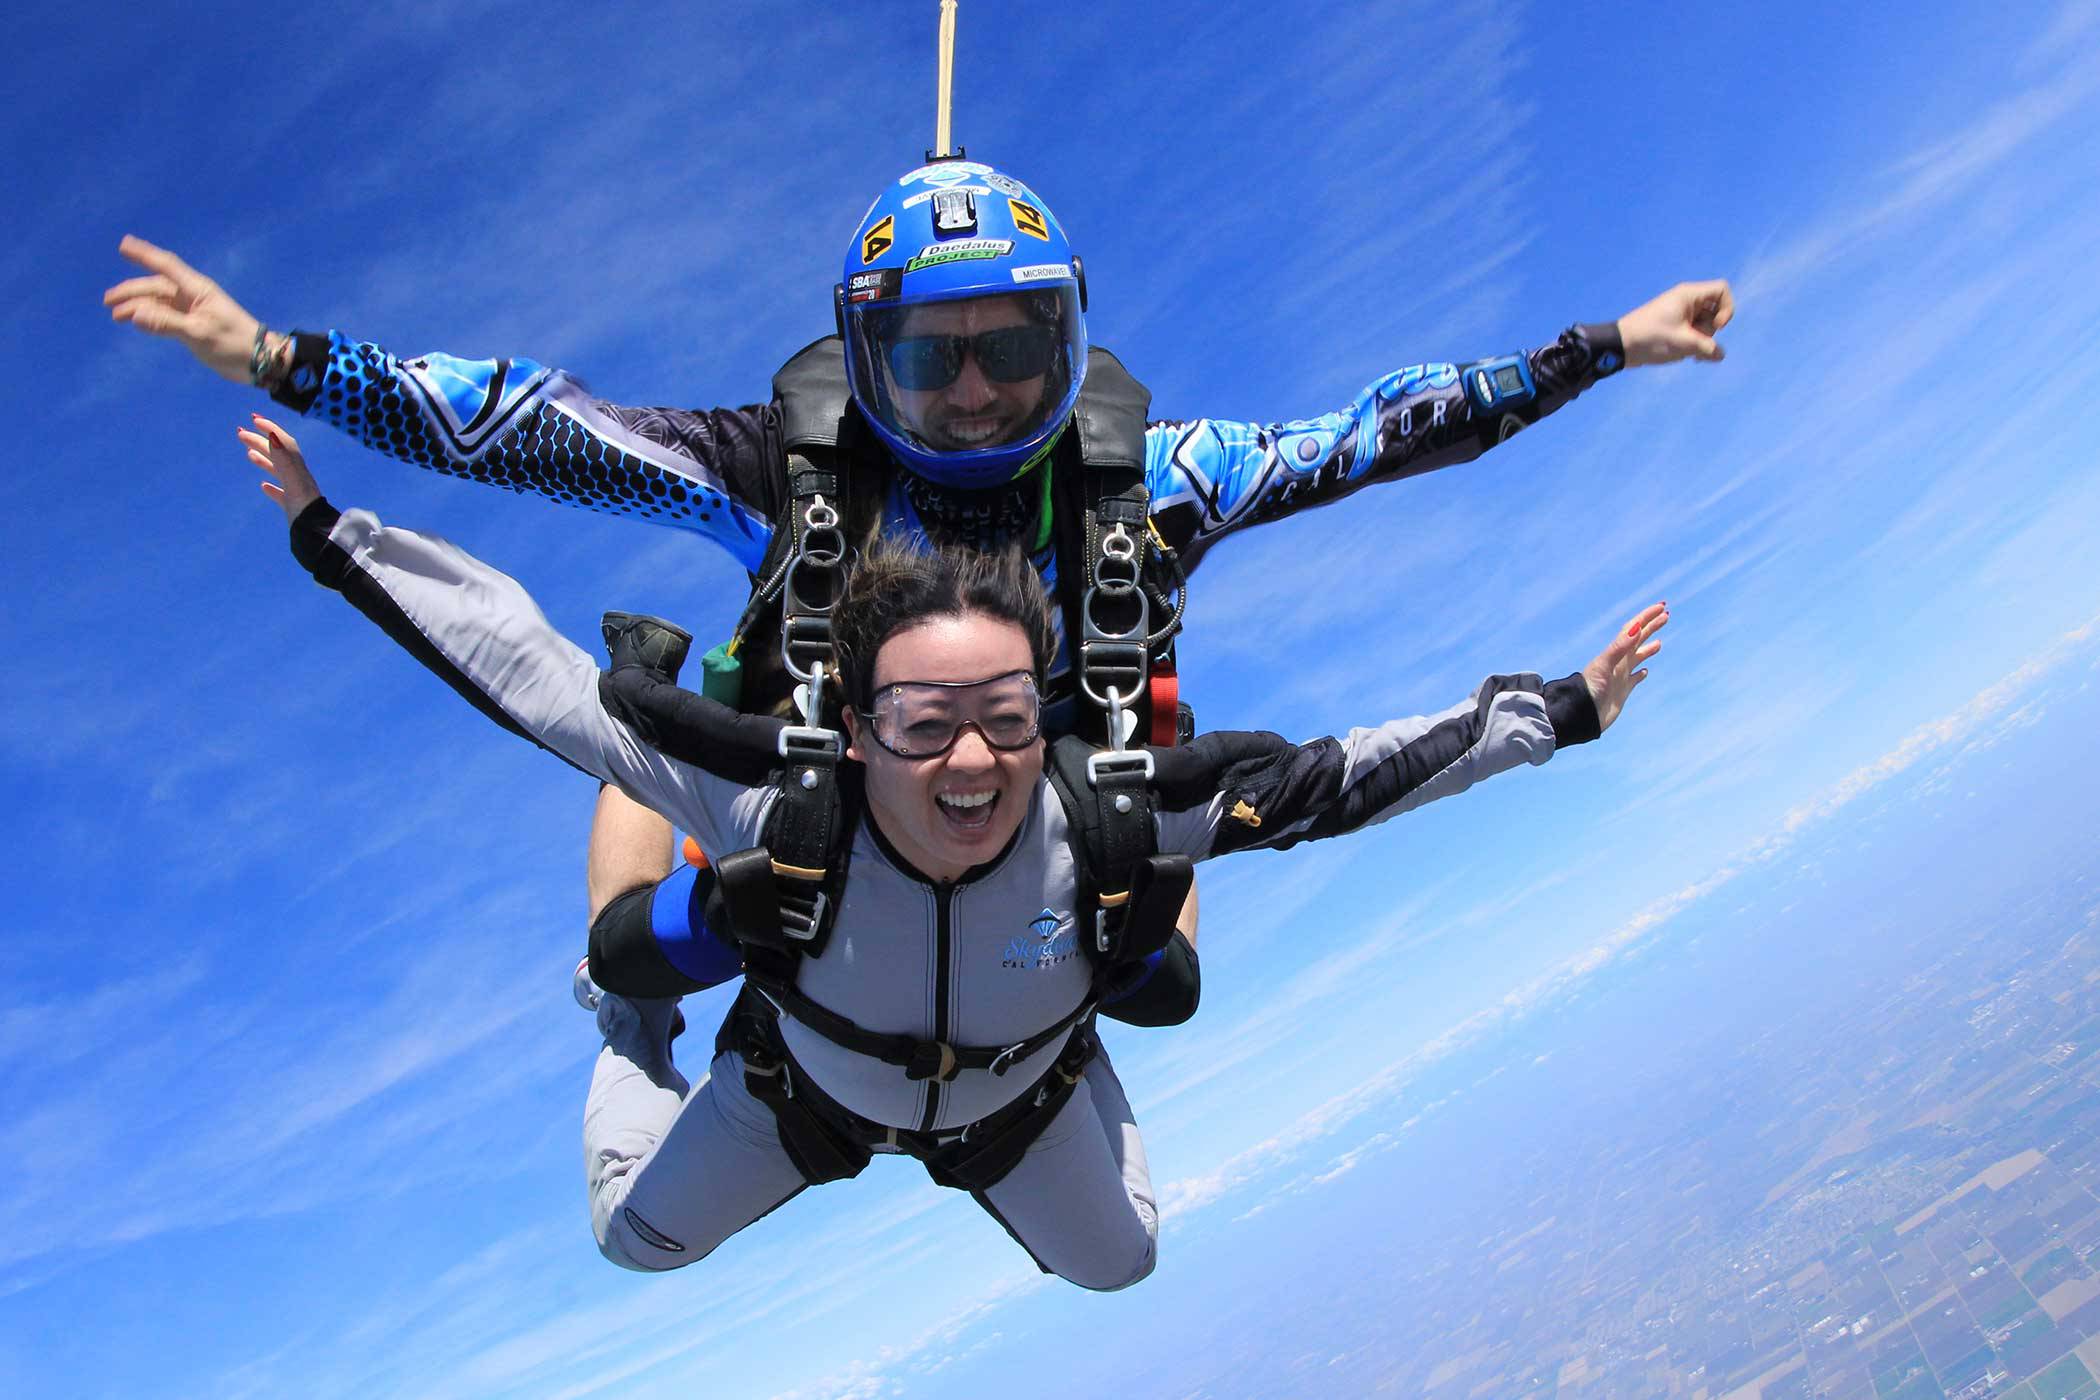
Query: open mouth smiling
{"x": 967, "y": 810}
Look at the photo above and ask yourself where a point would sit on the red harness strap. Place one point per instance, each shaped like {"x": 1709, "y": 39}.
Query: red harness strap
{"x": 1165, "y": 699}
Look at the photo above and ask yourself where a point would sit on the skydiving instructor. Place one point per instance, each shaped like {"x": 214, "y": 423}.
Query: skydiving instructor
{"x": 967, "y": 391}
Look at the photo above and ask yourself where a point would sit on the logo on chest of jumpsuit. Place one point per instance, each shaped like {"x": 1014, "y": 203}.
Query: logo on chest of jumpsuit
{"x": 1051, "y": 938}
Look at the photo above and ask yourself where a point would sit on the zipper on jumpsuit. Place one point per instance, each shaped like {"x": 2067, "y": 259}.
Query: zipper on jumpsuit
{"x": 943, "y": 954}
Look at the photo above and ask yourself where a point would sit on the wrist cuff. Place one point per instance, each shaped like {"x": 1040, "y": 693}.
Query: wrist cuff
{"x": 1607, "y": 349}
{"x": 310, "y": 531}
{"x": 302, "y": 379}
{"x": 1572, "y": 711}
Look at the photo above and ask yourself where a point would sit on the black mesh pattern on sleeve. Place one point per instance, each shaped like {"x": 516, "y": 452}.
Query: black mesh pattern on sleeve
{"x": 530, "y": 436}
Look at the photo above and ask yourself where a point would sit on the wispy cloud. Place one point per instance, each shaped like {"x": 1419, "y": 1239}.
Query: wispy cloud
{"x": 2074, "y": 23}
{"x": 2008, "y": 702}
{"x": 930, "y": 1350}
{"x": 1924, "y": 179}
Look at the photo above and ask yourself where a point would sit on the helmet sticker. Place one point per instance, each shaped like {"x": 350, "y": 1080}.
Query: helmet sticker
{"x": 877, "y": 284}
{"x": 946, "y": 172}
{"x": 877, "y": 240}
{"x": 1029, "y": 220}
{"x": 1006, "y": 184}
{"x": 960, "y": 250}
{"x": 1044, "y": 272}
{"x": 915, "y": 200}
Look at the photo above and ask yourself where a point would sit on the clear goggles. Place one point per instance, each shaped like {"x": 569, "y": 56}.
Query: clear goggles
{"x": 919, "y": 719}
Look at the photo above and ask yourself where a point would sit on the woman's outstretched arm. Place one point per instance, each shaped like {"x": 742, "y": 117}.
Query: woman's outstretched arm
{"x": 480, "y": 632}
{"x": 1230, "y": 791}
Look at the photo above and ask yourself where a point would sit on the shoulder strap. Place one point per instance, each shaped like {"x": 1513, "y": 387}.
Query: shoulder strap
{"x": 1120, "y": 585}
{"x": 823, "y": 441}
{"x": 815, "y": 399}
{"x": 781, "y": 894}
{"x": 1132, "y": 891}
{"x": 778, "y": 898}
{"x": 1111, "y": 414}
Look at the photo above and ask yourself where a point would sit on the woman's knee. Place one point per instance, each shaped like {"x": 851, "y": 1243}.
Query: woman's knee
{"x": 633, "y": 1243}
{"x": 1113, "y": 1280}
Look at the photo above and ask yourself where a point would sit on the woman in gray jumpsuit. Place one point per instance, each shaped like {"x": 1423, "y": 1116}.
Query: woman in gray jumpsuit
{"x": 962, "y": 848}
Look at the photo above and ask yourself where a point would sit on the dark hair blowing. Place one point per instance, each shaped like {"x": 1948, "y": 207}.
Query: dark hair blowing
{"x": 894, "y": 586}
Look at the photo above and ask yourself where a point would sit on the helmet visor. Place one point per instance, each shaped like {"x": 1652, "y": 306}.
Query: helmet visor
{"x": 969, "y": 374}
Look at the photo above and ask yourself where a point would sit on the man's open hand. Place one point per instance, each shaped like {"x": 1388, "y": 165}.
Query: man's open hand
{"x": 179, "y": 302}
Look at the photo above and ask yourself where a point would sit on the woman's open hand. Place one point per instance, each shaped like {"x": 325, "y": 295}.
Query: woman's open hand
{"x": 1623, "y": 665}
{"x": 277, "y": 452}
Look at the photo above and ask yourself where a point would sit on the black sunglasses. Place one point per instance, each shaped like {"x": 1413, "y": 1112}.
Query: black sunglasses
{"x": 1007, "y": 355}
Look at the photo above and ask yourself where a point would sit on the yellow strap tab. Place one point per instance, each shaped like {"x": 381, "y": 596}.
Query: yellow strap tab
{"x": 1115, "y": 901}
{"x": 797, "y": 872}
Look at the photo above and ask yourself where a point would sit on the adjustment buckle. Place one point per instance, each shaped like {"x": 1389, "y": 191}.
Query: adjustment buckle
{"x": 1004, "y": 1060}
{"x": 932, "y": 1059}
{"x": 1107, "y": 664}
{"x": 803, "y": 743}
{"x": 805, "y": 644}
{"x": 801, "y": 918}
{"x": 768, "y": 1068}
{"x": 1118, "y": 764}
{"x": 1104, "y": 936}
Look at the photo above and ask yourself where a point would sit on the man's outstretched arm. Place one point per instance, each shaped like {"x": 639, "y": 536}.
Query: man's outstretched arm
{"x": 1211, "y": 476}
{"x": 505, "y": 422}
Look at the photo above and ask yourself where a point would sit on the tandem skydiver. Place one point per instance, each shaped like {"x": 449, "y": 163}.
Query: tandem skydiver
{"x": 965, "y": 361}
{"x": 951, "y": 835}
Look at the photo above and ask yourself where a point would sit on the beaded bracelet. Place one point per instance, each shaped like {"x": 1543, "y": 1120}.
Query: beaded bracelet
{"x": 259, "y": 357}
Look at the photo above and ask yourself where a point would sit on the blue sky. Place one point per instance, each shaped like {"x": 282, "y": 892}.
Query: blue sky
{"x": 291, "y": 1076}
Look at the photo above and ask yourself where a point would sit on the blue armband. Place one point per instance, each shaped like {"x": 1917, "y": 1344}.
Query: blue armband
{"x": 678, "y": 918}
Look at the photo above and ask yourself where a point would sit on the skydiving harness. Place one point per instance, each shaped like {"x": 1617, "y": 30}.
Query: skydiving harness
{"x": 1119, "y": 626}
{"x": 779, "y": 898}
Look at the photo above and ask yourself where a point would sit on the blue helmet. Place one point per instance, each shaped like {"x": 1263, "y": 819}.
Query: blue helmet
{"x": 962, "y": 309}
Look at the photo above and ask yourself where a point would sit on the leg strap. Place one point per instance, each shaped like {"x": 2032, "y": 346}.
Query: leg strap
{"x": 820, "y": 1150}
{"x": 991, "y": 1147}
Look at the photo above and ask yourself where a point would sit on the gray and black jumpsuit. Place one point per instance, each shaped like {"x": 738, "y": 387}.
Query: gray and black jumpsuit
{"x": 672, "y": 1174}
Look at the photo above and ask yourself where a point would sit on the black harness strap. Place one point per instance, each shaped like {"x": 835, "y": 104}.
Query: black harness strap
{"x": 829, "y": 1142}
{"x": 1118, "y": 571}
{"x": 1135, "y": 892}
{"x": 919, "y": 1059}
{"x": 778, "y": 897}
{"x": 780, "y": 894}
{"x": 815, "y": 1141}
{"x": 815, "y": 575}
